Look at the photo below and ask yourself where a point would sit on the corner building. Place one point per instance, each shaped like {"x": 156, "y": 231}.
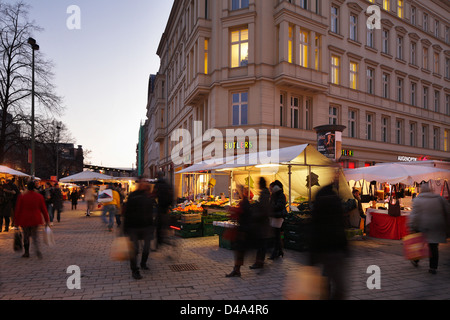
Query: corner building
{"x": 295, "y": 65}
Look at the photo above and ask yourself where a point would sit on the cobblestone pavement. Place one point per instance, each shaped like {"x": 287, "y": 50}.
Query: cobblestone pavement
{"x": 85, "y": 242}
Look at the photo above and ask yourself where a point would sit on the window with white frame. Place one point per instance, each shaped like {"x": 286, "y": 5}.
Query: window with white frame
{"x": 239, "y": 48}
{"x": 413, "y": 53}
{"x": 436, "y": 28}
{"x": 436, "y": 138}
{"x": 400, "y": 47}
{"x": 335, "y": 68}
{"x": 369, "y": 126}
{"x": 437, "y": 106}
{"x": 413, "y": 15}
{"x": 436, "y": 62}
{"x": 425, "y": 22}
{"x": 353, "y": 75}
{"x": 239, "y": 4}
{"x": 399, "y": 89}
{"x": 333, "y": 115}
{"x": 370, "y": 38}
{"x": 412, "y": 134}
{"x": 295, "y": 112}
{"x": 413, "y": 93}
{"x": 370, "y": 80}
{"x": 304, "y": 47}
{"x": 304, "y": 4}
{"x": 385, "y": 80}
{"x": 400, "y": 8}
{"x": 308, "y": 113}
{"x": 425, "y": 97}
{"x": 386, "y": 5}
{"x": 334, "y": 19}
{"x": 425, "y": 58}
{"x": 353, "y": 27}
{"x": 384, "y": 128}
{"x": 240, "y": 108}
{"x": 291, "y": 45}
{"x": 424, "y": 136}
{"x": 385, "y": 41}
{"x": 399, "y": 131}
{"x": 282, "y": 109}
{"x": 447, "y": 104}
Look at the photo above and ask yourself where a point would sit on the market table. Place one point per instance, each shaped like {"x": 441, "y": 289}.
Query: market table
{"x": 383, "y": 226}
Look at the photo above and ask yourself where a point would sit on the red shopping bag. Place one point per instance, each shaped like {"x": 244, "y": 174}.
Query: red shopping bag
{"x": 415, "y": 247}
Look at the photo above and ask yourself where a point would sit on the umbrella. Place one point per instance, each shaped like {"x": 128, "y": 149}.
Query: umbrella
{"x": 86, "y": 176}
{"x": 397, "y": 173}
{"x": 7, "y": 170}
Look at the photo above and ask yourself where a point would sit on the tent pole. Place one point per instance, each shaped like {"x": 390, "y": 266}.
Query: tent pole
{"x": 290, "y": 191}
{"x": 309, "y": 184}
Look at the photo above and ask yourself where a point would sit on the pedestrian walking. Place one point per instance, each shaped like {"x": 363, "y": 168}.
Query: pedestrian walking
{"x": 5, "y": 209}
{"x": 278, "y": 213}
{"x": 47, "y": 193}
{"x": 261, "y": 230}
{"x": 31, "y": 212}
{"x": 328, "y": 243}
{"x": 242, "y": 213}
{"x": 111, "y": 208}
{"x": 138, "y": 225}
{"x": 57, "y": 201}
{"x": 164, "y": 195}
{"x": 430, "y": 215}
{"x": 118, "y": 188}
{"x": 74, "y": 198}
{"x": 13, "y": 187}
{"x": 89, "y": 196}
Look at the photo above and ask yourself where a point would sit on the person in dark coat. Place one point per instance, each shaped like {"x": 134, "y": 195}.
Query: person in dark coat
{"x": 138, "y": 224}
{"x": 164, "y": 195}
{"x": 57, "y": 201}
{"x": 328, "y": 245}
{"x": 278, "y": 211}
{"x": 261, "y": 232}
{"x": 242, "y": 213}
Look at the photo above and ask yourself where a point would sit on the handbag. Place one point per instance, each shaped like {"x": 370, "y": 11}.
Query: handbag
{"x": 121, "y": 249}
{"x": 415, "y": 247}
{"x": 394, "y": 205}
{"x": 49, "y": 239}
{"x": 306, "y": 283}
{"x": 18, "y": 241}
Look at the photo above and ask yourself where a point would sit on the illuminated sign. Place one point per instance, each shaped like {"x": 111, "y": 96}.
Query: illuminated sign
{"x": 348, "y": 153}
{"x": 241, "y": 145}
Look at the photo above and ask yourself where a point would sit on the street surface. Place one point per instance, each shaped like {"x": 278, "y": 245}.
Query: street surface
{"x": 85, "y": 242}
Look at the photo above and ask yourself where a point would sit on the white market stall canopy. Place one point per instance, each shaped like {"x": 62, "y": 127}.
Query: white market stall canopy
{"x": 397, "y": 173}
{"x": 8, "y": 171}
{"x": 86, "y": 176}
{"x": 292, "y": 166}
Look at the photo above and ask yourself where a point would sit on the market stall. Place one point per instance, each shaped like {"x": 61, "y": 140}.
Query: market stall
{"x": 391, "y": 181}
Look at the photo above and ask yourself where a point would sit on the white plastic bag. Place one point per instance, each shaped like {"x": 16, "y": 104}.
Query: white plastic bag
{"x": 49, "y": 239}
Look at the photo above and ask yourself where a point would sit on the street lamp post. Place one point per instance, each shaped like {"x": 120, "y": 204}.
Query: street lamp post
{"x": 58, "y": 128}
{"x": 34, "y": 47}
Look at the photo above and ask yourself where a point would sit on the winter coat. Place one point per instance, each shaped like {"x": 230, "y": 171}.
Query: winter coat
{"x": 138, "y": 210}
{"x": 278, "y": 204}
{"x": 261, "y": 216}
{"x": 31, "y": 210}
{"x": 430, "y": 215}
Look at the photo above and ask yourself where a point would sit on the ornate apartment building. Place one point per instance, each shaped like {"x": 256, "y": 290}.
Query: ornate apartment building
{"x": 295, "y": 65}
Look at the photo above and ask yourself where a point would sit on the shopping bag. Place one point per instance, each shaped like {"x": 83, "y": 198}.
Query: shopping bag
{"x": 306, "y": 283}
{"x": 18, "y": 241}
{"x": 49, "y": 239}
{"x": 105, "y": 196}
{"x": 415, "y": 247}
{"x": 121, "y": 249}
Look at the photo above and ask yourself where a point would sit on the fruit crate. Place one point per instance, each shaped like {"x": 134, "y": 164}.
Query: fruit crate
{"x": 190, "y": 230}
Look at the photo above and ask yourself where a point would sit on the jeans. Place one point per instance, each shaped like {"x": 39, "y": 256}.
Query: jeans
{"x": 112, "y": 212}
{"x": 51, "y": 212}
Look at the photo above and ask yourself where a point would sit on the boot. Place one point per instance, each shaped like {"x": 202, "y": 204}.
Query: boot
{"x": 235, "y": 273}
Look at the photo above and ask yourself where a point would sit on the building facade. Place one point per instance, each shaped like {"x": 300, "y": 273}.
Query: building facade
{"x": 296, "y": 65}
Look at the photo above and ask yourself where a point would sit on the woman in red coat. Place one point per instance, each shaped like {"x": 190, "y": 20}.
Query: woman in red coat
{"x": 30, "y": 213}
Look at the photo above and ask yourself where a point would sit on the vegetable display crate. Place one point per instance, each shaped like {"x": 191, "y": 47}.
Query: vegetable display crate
{"x": 190, "y": 230}
{"x": 208, "y": 230}
{"x": 194, "y": 218}
{"x": 223, "y": 243}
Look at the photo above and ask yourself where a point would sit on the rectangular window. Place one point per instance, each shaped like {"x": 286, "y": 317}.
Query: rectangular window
{"x": 335, "y": 65}
{"x": 424, "y": 136}
{"x": 239, "y": 48}
{"x": 304, "y": 47}
{"x": 353, "y": 27}
{"x": 400, "y": 8}
{"x": 413, "y": 53}
{"x": 436, "y": 29}
{"x": 400, "y": 47}
{"x": 353, "y": 75}
{"x": 370, "y": 39}
{"x": 308, "y": 113}
{"x": 447, "y": 35}
{"x": 412, "y": 134}
{"x": 370, "y": 81}
{"x": 413, "y": 94}
{"x": 384, "y": 129}
{"x": 369, "y": 126}
{"x": 447, "y": 104}
{"x": 425, "y": 22}
{"x": 304, "y": 4}
{"x": 333, "y": 115}
{"x": 206, "y": 55}
{"x": 317, "y": 53}
{"x": 291, "y": 45}
{"x": 282, "y": 99}
{"x": 413, "y": 15}
{"x": 425, "y": 58}
{"x": 352, "y": 124}
{"x": 399, "y": 132}
{"x": 425, "y": 97}
{"x": 334, "y": 19}
{"x": 437, "y": 106}
{"x": 400, "y": 90}
{"x": 386, "y": 5}
{"x": 436, "y": 138}
{"x": 240, "y": 108}
{"x": 239, "y": 4}
{"x": 447, "y": 68}
{"x": 436, "y": 63}
{"x": 295, "y": 112}
{"x": 385, "y": 79}
{"x": 385, "y": 41}
{"x": 447, "y": 140}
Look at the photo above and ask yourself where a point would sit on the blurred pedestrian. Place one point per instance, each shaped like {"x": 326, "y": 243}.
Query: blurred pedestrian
{"x": 278, "y": 213}
{"x": 47, "y": 193}
{"x": 164, "y": 195}
{"x": 57, "y": 201}
{"x": 31, "y": 212}
{"x": 138, "y": 224}
{"x": 328, "y": 242}
{"x": 118, "y": 188}
{"x": 89, "y": 196}
{"x": 74, "y": 198}
{"x": 12, "y": 186}
{"x": 5, "y": 209}
{"x": 242, "y": 213}
{"x": 357, "y": 196}
{"x": 431, "y": 216}
{"x": 111, "y": 207}
{"x": 261, "y": 224}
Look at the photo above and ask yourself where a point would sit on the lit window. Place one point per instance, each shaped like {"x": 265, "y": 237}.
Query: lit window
{"x": 304, "y": 48}
{"x": 335, "y": 64}
{"x": 386, "y": 5}
{"x": 353, "y": 75}
{"x": 400, "y": 8}
{"x": 206, "y": 55}
{"x": 239, "y": 48}
{"x": 290, "y": 45}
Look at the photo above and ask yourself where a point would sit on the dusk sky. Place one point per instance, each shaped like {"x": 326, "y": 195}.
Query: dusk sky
{"x": 102, "y": 69}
